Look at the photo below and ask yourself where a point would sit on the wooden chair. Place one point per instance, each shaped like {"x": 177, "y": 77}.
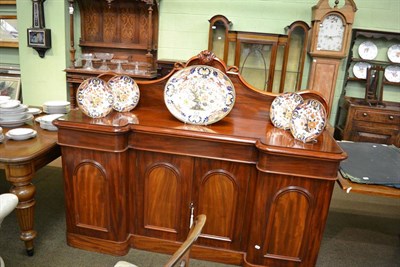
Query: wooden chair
{"x": 181, "y": 257}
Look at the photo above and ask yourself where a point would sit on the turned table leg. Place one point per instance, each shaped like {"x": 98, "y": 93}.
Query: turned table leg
{"x": 20, "y": 176}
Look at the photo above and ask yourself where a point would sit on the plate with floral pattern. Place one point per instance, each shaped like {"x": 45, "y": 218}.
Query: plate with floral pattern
{"x": 393, "y": 53}
{"x": 95, "y": 98}
{"x": 199, "y": 95}
{"x": 392, "y": 73}
{"x": 308, "y": 120}
{"x": 126, "y": 93}
{"x": 368, "y": 50}
{"x": 281, "y": 109}
{"x": 360, "y": 70}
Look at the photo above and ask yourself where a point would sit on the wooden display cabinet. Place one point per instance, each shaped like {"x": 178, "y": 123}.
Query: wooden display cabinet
{"x": 137, "y": 179}
{"x": 369, "y": 119}
{"x": 127, "y": 29}
{"x": 383, "y": 40}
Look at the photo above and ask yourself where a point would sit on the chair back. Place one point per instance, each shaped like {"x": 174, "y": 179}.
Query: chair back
{"x": 181, "y": 256}
{"x": 8, "y": 202}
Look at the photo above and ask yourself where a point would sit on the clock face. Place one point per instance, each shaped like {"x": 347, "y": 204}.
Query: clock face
{"x": 331, "y": 33}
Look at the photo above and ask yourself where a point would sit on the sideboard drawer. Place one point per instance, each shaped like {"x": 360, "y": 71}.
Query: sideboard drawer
{"x": 371, "y": 116}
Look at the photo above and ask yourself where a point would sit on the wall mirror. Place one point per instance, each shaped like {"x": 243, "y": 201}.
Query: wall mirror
{"x": 8, "y": 31}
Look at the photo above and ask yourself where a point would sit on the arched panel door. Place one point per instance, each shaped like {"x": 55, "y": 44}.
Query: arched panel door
{"x": 219, "y": 191}
{"x": 163, "y": 195}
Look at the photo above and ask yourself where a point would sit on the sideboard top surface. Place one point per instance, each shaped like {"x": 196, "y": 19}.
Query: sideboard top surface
{"x": 248, "y": 123}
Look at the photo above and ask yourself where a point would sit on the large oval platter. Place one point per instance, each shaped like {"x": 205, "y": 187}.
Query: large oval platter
{"x": 199, "y": 95}
{"x": 95, "y": 98}
{"x": 126, "y": 93}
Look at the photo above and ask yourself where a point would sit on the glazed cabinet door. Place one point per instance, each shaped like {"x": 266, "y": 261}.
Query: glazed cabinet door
{"x": 220, "y": 191}
{"x": 162, "y": 195}
{"x": 288, "y": 220}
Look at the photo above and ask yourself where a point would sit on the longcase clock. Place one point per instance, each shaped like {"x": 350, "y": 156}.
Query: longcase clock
{"x": 330, "y": 37}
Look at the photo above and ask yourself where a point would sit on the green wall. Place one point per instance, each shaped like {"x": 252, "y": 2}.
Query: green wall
{"x": 43, "y": 79}
{"x": 183, "y": 34}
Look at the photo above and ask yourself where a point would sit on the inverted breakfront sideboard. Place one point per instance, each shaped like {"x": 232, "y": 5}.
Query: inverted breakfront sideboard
{"x": 136, "y": 179}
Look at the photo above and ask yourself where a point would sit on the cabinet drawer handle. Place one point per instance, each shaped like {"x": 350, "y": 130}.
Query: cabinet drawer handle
{"x": 365, "y": 114}
{"x": 391, "y": 117}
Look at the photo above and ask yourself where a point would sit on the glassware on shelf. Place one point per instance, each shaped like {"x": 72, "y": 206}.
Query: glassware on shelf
{"x": 138, "y": 68}
{"x": 104, "y": 57}
{"x": 119, "y": 63}
{"x": 88, "y": 57}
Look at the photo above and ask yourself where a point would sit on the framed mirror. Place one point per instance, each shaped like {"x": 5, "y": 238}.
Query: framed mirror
{"x": 8, "y": 31}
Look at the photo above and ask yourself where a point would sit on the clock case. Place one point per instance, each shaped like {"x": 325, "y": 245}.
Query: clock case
{"x": 322, "y": 10}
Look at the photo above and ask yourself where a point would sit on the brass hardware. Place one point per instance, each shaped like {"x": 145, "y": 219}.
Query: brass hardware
{"x": 365, "y": 114}
{"x": 391, "y": 117}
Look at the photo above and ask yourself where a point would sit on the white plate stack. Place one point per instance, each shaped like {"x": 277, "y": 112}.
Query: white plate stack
{"x": 1, "y": 135}
{"x": 13, "y": 113}
{"x": 46, "y": 122}
{"x": 20, "y": 134}
{"x": 56, "y": 107}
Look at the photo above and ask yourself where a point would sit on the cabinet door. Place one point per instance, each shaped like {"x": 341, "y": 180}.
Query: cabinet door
{"x": 220, "y": 191}
{"x": 288, "y": 220}
{"x": 95, "y": 190}
{"x": 163, "y": 195}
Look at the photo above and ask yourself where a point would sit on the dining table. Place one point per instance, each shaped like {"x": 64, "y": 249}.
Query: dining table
{"x": 21, "y": 160}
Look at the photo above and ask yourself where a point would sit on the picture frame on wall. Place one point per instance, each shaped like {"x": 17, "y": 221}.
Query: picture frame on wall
{"x": 8, "y": 2}
{"x": 8, "y": 31}
{"x": 10, "y": 86}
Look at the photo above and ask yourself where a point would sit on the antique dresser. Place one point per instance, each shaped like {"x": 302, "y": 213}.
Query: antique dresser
{"x": 136, "y": 179}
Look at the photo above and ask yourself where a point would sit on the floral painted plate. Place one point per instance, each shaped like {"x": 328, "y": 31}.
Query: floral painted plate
{"x": 95, "y": 98}
{"x": 393, "y": 53}
{"x": 126, "y": 93}
{"x": 360, "y": 70}
{"x": 368, "y": 50}
{"x": 281, "y": 109}
{"x": 308, "y": 120}
{"x": 392, "y": 73}
{"x": 199, "y": 95}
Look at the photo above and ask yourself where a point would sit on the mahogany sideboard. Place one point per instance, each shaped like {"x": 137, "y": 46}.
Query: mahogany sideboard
{"x": 136, "y": 179}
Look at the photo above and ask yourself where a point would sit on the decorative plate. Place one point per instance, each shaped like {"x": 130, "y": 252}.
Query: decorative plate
{"x": 126, "y": 93}
{"x": 95, "y": 98}
{"x": 360, "y": 70}
{"x": 199, "y": 95}
{"x": 394, "y": 53}
{"x": 282, "y": 107}
{"x": 368, "y": 50}
{"x": 308, "y": 120}
{"x": 392, "y": 73}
